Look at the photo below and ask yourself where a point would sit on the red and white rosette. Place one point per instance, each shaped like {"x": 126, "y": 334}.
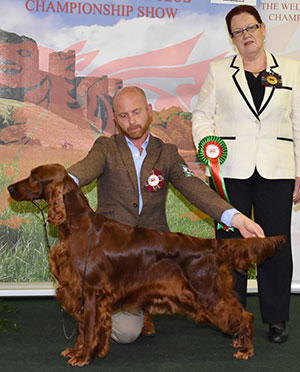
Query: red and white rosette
{"x": 212, "y": 151}
{"x": 155, "y": 181}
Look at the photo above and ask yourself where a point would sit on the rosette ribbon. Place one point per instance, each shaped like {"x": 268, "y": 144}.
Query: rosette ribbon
{"x": 271, "y": 79}
{"x": 212, "y": 151}
{"x": 155, "y": 181}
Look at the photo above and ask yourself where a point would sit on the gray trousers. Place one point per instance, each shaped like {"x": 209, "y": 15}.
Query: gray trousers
{"x": 126, "y": 327}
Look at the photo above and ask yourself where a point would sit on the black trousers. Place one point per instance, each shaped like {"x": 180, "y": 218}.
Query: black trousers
{"x": 270, "y": 202}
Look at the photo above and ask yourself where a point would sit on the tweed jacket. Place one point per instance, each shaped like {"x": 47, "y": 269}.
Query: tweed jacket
{"x": 268, "y": 139}
{"x": 110, "y": 162}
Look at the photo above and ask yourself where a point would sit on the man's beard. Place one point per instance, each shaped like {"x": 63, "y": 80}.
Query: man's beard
{"x": 139, "y": 132}
{"x": 136, "y": 132}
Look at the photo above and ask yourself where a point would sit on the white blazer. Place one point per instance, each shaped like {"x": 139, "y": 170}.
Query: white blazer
{"x": 269, "y": 139}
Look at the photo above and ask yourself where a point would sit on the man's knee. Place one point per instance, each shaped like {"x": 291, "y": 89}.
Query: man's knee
{"x": 126, "y": 327}
{"x": 125, "y": 336}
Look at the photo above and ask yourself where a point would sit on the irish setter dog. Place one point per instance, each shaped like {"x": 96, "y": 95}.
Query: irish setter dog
{"x": 133, "y": 268}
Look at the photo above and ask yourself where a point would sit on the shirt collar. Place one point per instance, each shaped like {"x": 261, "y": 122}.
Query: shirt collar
{"x": 144, "y": 145}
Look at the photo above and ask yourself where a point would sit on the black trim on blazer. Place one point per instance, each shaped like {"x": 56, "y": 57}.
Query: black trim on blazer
{"x": 275, "y": 62}
{"x": 227, "y": 138}
{"x": 256, "y": 114}
{"x": 285, "y": 139}
{"x": 267, "y": 101}
{"x": 275, "y": 66}
{"x": 273, "y": 89}
{"x": 240, "y": 90}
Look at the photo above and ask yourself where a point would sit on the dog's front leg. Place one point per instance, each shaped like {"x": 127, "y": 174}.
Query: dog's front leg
{"x": 76, "y": 349}
{"x": 230, "y": 317}
{"x": 103, "y": 323}
{"x": 87, "y": 340}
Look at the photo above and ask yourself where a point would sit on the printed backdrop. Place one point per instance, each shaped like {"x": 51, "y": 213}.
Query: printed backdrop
{"x": 60, "y": 64}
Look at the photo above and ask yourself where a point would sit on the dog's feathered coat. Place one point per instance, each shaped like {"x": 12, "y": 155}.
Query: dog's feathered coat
{"x": 132, "y": 268}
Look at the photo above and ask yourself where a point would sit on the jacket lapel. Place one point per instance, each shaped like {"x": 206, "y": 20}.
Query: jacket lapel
{"x": 241, "y": 83}
{"x": 127, "y": 160}
{"x": 153, "y": 151}
{"x": 272, "y": 65}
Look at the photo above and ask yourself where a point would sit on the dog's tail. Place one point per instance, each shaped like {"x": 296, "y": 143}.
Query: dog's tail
{"x": 243, "y": 253}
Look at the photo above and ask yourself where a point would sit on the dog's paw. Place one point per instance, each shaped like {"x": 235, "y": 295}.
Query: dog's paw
{"x": 67, "y": 353}
{"x": 79, "y": 361}
{"x": 244, "y": 354}
{"x": 237, "y": 343}
{"x": 71, "y": 352}
{"x": 78, "y": 356}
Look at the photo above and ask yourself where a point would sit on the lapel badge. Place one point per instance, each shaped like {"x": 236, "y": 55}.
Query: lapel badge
{"x": 186, "y": 170}
{"x": 271, "y": 79}
{"x": 155, "y": 181}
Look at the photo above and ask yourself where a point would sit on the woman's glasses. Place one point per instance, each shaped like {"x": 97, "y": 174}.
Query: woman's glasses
{"x": 250, "y": 29}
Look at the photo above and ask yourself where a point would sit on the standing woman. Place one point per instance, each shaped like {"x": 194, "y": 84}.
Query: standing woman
{"x": 252, "y": 102}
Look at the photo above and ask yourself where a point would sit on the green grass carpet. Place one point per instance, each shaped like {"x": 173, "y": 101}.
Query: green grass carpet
{"x": 179, "y": 344}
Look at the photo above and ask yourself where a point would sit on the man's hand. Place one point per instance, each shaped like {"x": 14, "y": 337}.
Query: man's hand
{"x": 247, "y": 227}
{"x": 296, "y": 193}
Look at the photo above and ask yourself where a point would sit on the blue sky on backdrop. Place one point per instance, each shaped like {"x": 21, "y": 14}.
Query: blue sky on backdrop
{"x": 193, "y": 6}
{"x": 115, "y": 37}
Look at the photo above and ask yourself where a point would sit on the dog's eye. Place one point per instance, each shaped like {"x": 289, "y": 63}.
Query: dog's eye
{"x": 34, "y": 179}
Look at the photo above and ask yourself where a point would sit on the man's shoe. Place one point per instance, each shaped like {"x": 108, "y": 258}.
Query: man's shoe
{"x": 278, "y": 332}
{"x": 148, "y": 326}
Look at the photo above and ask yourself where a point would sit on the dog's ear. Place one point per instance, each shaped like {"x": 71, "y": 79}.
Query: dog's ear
{"x": 56, "y": 206}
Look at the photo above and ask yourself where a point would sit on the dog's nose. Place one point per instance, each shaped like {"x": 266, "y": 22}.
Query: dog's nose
{"x": 10, "y": 188}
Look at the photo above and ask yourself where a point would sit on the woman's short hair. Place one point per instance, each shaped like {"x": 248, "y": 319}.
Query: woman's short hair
{"x": 241, "y": 9}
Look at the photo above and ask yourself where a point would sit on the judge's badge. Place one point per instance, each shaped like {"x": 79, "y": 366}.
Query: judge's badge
{"x": 186, "y": 170}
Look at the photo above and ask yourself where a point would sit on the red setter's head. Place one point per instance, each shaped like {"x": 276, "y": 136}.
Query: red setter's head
{"x": 49, "y": 182}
